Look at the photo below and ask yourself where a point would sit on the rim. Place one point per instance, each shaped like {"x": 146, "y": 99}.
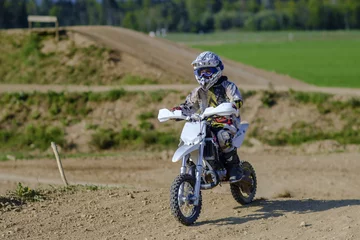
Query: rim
{"x": 247, "y": 186}
{"x": 186, "y": 206}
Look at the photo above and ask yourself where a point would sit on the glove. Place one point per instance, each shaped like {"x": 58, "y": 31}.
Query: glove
{"x": 237, "y": 104}
{"x": 175, "y": 108}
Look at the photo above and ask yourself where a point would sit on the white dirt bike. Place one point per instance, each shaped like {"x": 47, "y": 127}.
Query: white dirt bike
{"x": 202, "y": 167}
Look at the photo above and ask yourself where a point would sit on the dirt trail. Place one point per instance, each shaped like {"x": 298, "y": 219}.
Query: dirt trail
{"x": 77, "y": 88}
{"x": 324, "y": 187}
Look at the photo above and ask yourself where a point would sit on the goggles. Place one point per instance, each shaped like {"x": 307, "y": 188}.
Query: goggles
{"x": 205, "y": 72}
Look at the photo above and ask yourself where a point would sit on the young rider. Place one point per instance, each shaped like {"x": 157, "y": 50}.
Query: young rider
{"x": 215, "y": 89}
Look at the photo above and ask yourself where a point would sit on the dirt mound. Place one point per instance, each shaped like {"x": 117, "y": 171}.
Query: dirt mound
{"x": 175, "y": 59}
{"x": 321, "y": 206}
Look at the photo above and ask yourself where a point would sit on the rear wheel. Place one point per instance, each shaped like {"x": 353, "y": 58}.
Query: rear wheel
{"x": 245, "y": 190}
{"x": 182, "y": 200}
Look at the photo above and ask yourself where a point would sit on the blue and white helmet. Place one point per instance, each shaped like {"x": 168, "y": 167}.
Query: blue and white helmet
{"x": 208, "y": 69}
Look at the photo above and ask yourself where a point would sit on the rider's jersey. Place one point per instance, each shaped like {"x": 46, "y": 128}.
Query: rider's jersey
{"x": 222, "y": 91}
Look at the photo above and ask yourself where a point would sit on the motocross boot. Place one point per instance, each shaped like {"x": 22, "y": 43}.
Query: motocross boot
{"x": 233, "y": 167}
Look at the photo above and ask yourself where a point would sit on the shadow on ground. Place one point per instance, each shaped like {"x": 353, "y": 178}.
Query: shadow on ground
{"x": 7, "y": 203}
{"x": 276, "y": 208}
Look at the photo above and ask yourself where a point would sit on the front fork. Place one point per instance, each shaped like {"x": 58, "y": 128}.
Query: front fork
{"x": 198, "y": 173}
{"x": 199, "y": 170}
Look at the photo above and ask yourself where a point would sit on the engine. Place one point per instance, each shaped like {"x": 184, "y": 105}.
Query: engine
{"x": 210, "y": 151}
{"x": 214, "y": 171}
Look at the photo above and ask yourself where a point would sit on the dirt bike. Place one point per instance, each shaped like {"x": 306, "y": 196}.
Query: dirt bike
{"x": 202, "y": 167}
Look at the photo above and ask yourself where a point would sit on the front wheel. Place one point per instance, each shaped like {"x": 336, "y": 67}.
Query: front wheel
{"x": 181, "y": 200}
{"x": 245, "y": 190}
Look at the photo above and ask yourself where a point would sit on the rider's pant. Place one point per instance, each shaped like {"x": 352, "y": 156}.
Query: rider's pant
{"x": 225, "y": 140}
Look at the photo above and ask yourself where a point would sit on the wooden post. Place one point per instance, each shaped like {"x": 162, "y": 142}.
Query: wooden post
{"x": 61, "y": 170}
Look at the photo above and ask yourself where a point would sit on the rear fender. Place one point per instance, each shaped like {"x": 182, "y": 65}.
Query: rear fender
{"x": 240, "y": 135}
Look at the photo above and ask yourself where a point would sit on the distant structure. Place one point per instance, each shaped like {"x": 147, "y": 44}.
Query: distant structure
{"x": 45, "y": 19}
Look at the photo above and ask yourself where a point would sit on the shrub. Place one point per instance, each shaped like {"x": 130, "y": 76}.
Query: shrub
{"x": 41, "y": 136}
{"x": 27, "y": 194}
{"x": 115, "y": 94}
{"x": 144, "y": 125}
{"x": 104, "y": 139}
{"x": 146, "y": 115}
{"x": 269, "y": 98}
{"x": 354, "y": 102}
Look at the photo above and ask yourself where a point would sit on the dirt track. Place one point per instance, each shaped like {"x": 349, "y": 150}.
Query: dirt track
{"x": 324, "y": 189}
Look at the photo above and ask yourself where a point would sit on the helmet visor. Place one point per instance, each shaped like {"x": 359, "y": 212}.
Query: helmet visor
{"x": 205, "y": 72}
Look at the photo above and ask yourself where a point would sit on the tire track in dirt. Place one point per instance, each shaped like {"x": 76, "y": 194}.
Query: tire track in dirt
{"x": 322, "y": 207}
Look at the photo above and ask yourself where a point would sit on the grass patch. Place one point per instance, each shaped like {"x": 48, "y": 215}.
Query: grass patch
{"x": 33, "y": 137}
{"x": 311, "y": 97}
{"x": 324, "y": 101}
{"x": 323, "y": 63}
{"x": 24, "y": 59}
{"x": 5, "y": 156}
{"x": 302, "y": 132}
{"x": 26, "y": 194}
{"x": 159, "y": 95}
{"x": 129, "y": 137}
{"x": 146, "y": 115}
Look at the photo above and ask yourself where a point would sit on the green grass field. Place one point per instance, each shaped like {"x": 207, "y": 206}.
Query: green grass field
{"x": 320, "y": 58}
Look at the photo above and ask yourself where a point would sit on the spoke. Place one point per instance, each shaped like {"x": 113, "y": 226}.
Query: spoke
{"x": 186, "y": 208}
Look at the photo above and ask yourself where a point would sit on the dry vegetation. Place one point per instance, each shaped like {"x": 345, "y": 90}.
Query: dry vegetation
{"x": 37, "y": 58}
{"x": 123, "y": 120}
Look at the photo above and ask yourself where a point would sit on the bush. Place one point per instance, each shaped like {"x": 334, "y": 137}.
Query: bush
{"x": 27, "y": 194}
{"x": 315, "y": 98}
{"x": 144, "y": 125}
{"x": 146, "y": 115}
{"x": 129, "y": 134}
{"x": 269, "y": 98}
{"x": 40, "y": 136}
{"x": 159, "y": 138}
{"x": 104, "y": 139}
{"x": 115, "y": 94}
{"x": 354, "y": 102}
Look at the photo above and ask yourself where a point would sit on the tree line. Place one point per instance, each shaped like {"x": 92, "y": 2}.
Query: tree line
{"x": 189, "y": 15}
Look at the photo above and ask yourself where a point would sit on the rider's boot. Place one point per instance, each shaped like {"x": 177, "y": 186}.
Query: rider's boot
{"x": 233, "y": 167}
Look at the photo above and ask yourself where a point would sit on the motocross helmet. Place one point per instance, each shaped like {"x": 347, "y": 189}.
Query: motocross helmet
{"x": 208, "y": 69}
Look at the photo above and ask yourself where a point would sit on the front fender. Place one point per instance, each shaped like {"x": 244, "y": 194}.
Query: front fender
{"x": 184, "y": 150}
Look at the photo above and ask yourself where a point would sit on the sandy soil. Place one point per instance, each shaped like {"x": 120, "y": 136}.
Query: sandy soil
{"x": 324, "y": 203}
